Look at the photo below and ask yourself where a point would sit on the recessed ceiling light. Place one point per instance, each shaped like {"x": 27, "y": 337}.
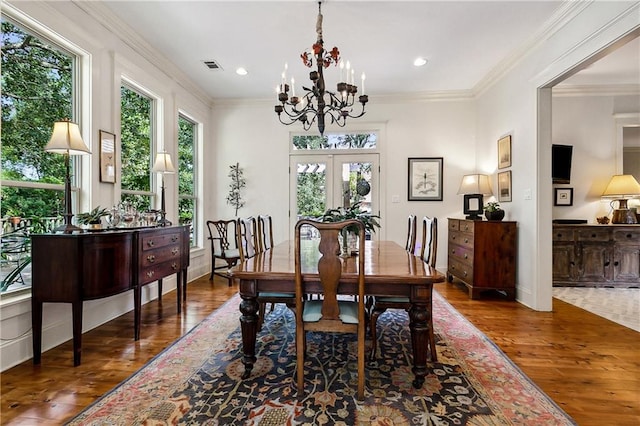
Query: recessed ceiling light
{"x": 241, "y": 71}
{"x": 419, "y": 62}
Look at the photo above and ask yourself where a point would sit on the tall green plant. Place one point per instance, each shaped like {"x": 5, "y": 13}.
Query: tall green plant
{"x": 237, "y": 183}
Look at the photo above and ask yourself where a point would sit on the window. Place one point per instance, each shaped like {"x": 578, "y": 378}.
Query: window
{"x": 336, "y": 141}
{"x": 187, "y": 175}
{"x": 40, "y": 81}
{"x": 136, "y": 136}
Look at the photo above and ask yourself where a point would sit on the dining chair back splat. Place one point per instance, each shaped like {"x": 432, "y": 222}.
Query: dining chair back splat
{"x": 330, "y": 314}
{"x": 410, "y": 245}
{"x": 249, "y": 245}
{"x": 265, "y": 232}
{"x": 224, "y": 238}
{"x": 428, "y": 254}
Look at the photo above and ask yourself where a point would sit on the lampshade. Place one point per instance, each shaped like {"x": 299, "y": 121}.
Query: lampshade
{"x": 163, "y": 163}
{"x": 66, "y": 139}
{"x": 621, "y": 186}
{"x": 475, "y": 184}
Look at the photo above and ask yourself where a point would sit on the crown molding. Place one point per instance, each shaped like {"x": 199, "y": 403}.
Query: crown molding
{"x": 596, "y": 90}
{"x": 563, "y": 15}
{"x": 115, "y": 26}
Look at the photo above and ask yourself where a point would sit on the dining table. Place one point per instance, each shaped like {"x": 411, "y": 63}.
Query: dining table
{"x": 390, "y": 270}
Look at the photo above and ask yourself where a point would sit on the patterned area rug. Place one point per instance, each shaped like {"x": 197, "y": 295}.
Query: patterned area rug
{"x": 197, "y": 381}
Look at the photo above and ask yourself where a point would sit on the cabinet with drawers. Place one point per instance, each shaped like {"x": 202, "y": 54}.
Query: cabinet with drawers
{"x": 596, "y": 255}
{"x": 482, "y": 255}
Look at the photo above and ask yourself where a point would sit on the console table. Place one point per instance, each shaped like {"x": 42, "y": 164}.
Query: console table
{"x": 596, "y": 255}
{"x": 72, "y": 268}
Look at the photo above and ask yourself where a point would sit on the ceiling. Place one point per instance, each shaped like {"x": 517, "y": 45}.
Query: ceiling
{"x": 463, "y": 41}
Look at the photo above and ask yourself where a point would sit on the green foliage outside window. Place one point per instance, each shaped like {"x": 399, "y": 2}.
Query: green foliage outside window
{"x": 135, "y": 136}
{"x": 186, "y": 170}
{"x": 37, "y": 90}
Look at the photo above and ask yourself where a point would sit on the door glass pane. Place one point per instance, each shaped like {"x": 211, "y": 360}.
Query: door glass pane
{"x": 356, "y": 185}
{"x": 311, "y": 189}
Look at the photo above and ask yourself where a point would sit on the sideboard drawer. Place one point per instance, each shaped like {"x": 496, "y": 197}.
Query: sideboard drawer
{"x": 593, "y": 234}
{"x": 461, "y": 253}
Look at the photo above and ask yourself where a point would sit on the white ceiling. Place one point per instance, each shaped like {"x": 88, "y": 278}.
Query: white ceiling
{"x": 463, "y": 41}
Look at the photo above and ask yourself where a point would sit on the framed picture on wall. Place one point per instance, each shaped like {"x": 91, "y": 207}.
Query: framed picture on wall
{"x": 107, "y": 157}
{"x": 504, "y": 186}
{"x": 504, "y": 152}
{"x": 563, "y": 197}
{"x": 425, "y": 179}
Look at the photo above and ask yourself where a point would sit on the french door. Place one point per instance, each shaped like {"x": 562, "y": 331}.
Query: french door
{"x": 319, "y": 182}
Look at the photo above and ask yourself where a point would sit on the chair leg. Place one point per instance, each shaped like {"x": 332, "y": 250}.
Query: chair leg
{"x": 261, "y": 313}
{"x": 432, "y": 342}
{"x": 300, "y": 346}
{"x": 375, "y": 313}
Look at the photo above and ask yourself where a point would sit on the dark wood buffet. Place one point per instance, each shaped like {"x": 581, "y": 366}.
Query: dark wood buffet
{"x": 72, "y": 268}
{"x": 596, "y": 255}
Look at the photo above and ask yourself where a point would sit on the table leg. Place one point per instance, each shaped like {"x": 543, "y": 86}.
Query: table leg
{"x": 419, "y": 326}
{"x": 76, "y": 308}
{"x": 179, "y": 290}
{"x": 36, "y": 321}
{"x": 249, "y": 326}
{"x": 137, "y": 306}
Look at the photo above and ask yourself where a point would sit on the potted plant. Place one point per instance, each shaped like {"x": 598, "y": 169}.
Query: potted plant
{"x": 492, "y": 211}
{"x": 355, "y": 211}
{"x": 93, "y": 218}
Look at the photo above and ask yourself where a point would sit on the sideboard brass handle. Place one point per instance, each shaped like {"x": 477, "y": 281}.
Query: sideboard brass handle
{"x": 174, "y": 266}
{"x": 175, "y": 251}
{"x": 151, "y": 258}
{"x": 150, "y": 243}
{"x": 174, "y": 238}
{"x": 150, "y": 274}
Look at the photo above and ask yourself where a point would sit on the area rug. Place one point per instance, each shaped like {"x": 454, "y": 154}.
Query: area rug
{"x": 620, "y": 305}
{"x": 197, "y": 380}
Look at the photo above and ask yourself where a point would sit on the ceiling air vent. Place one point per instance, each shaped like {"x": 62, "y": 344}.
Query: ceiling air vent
{"x": 211, "y": 64}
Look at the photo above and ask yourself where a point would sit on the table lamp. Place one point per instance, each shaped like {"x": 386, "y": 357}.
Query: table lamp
{"x": 163, "y": 165}
{"x": 474, "y": 187}
{"x": 620, "y": 188}
{"x": 66, "y": 140}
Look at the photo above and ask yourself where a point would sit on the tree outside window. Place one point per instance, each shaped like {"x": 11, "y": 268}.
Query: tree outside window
{"x": 136, "y": 139}
{"x": 187, "y": 183}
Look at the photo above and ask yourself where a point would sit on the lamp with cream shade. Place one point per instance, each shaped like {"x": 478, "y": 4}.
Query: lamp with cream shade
{"x": 163, "y": 165}
{"x": 620, "y": 188}
{"x": 474, "y": 187}
{"x": 66, "y": 140}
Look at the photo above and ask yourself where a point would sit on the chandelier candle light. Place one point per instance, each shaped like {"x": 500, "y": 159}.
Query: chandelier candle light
{"x": 316, "y": 103}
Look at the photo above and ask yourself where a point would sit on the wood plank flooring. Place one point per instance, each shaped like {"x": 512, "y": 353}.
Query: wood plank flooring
{"x": 586, "y": 364}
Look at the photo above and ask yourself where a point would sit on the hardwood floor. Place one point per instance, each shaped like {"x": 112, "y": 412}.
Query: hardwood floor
{"x": 586, "y": 364}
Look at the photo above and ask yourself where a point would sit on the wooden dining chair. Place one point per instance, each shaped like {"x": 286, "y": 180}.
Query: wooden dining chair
{"x": 248, "y": 236}
{"x": 428, "y": 254}
{"x": 224, "y": 237}
{"x": 329, "y": 314}
{"x": 265, "y": 242}
{"x": 410, "y": 245}
{"x": 265, "y": 232}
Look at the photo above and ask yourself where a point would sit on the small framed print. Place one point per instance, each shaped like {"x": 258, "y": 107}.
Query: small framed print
{"x": 504, "y": 152}
{"x": 425, "y": 179}
{"x": 563, "y": 197}
{"x": 107, "y": 157}
{"x": 504, "y": 186}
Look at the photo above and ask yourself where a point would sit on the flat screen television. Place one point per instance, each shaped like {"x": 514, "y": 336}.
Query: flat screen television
{"x": 561, "y": 163}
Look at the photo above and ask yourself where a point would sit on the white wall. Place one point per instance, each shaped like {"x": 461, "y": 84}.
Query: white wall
{"x": 108, "y": 57}
{"x": 513, "y": 105}
{"x": 250, "y": 133}
{"x": 588, "y": 124}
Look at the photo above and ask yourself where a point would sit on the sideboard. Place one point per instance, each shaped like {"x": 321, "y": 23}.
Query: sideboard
{"x": 482, "y": 254}
{"x": 72, "y": 268}
{"x": 596, "y": 255}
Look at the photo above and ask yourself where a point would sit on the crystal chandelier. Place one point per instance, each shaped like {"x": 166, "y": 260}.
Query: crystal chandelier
{"x": 317, "y": 103}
